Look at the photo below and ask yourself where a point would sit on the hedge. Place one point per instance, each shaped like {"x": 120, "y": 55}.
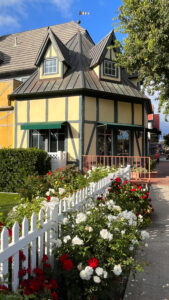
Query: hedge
{"x": 16, "y": 164}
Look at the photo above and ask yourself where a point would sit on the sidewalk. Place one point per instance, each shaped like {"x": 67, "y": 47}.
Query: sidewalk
{"x": 153, "y": 283}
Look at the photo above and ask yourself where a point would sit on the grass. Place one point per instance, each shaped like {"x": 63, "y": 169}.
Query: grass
{"x": 7, "y": 201}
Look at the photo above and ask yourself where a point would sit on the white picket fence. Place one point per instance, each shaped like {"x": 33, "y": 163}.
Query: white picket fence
{"x": 38, "y": 237}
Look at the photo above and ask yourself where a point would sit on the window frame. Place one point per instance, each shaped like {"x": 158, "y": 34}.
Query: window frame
{"x": 50, "y": 59}
{"x": 116, "y": 69}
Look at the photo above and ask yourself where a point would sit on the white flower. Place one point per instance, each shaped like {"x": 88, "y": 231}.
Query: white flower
{"x": 117, "y": 270}
{"x": 77, "y": 241}
{"x": 144, "y": 235}
{"x": 89, "y": 270}
{"x": 79, "y": 266}
{"x": 47, "y": 193}
{"x": 84, "y": 276}
{"x": 66, "y": 238}
{"x": 96, "y": 279}
{"x": 89, "y": 228}
{"x": 61, "y": 191}
{"x": 58, "y": 243}
{"x": 123, "y": 232}
{"x": 134, "y": 242}
{"x": 117, "y": 207}
{"x": 106, "y": 235}
{"x": 131, "y": 248}
{"x": 105, "y": 274}
{"x": 116, "y": 229}
{"x": 52, "y": 191}
{"x": 65, "y": 221}
{"x": 81, "y": 217}
{"x": 111, "y": 218}
{"x": 99, "y": 271}
{"x": 110, "y": 204}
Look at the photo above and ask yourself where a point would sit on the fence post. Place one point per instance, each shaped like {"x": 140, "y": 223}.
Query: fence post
{"x": 4, "y": 245}
{"x": 25, "y": 250}
{"x": 53, "y": 231}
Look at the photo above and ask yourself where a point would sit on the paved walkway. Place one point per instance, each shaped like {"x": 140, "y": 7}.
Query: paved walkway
{"x": 153, "y": 283}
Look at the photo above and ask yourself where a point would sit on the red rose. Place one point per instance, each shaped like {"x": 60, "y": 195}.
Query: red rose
{"x": 21, "y": 273}
{"x": 63, "y": 257}
{"x": 48, "y": 198}
{"x": 60, "y": 169}
{"x": 38, "y": 271}
{"x": 10, "y": 232}
{"x": 45, "y": 258}
{"x": 139, "y": 188}
{"x": 54, "y": 295}
{"x": 120, "y": 187}
{"x": 118, "y": 179}
{"x": 93, "y": 262}
{"x": 147, "y": 193}
{"x": 61, "y": 178}
{"x": 67, "y": 264}
{"x": 125, "y": 182}
{"x": 143, "y": 197}
{"x": 10, "y": 260}
{"x": 111, "y": 179}
{"x": 3, "y": 287}
{"x": 22, "y": 255}
{"x": 133, "y": 190}
{"x": 46, "y": 265}
{"x": 53, "y": 283}
{"x": 49, "y": 173}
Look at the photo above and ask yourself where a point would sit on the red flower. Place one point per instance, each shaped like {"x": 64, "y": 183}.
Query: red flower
{"x": 10, "y": 260}
{"x": 54, "y": 295}
{"x": 118, "y": 179}
{"x": 99, "y": 198}
{"x": 149, "y": 200}
{"x": 111, "y": 179}
{"x": 140, "y": 187}
{"x": 28, "y": 270}
{"x": 54, "y": 284}
{"x": 125, "y": 182}
{"x": 38, "y": 271}
{"x": 22, "y": 273}
{"x": 48, "y": 198}
{"x": 93, "y": 262}
{"x": 1, "y": 224}
{"x": 143, "y": 197}
{"x": 115, "y": 184}
{"x": 147, "y": 193}
{"x": 61, "y": 178}
{"x": 46, "y": 265}
{"x": 22, "y": 255}
{"x": 10, "y": 232}
{"x": 60, "y": 169}
{"x": 49, "y": 173}
{"x": 133, "y": 190}
{"x": 45, "y": 258}
{"x": 3, "y": 287}
{"x": 126, "y": 192}
{"x": 67, "y": 264}
{"x": 63, "y": 257}
{"x": 120, "y": 187}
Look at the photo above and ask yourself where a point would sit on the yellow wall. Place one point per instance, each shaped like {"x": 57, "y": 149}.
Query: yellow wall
{"x": 73, "y": 108}
{"x": 124, "y": 113}
{"x": 106, "y": 110}
{"x": 37, "y": 110}
{"x": 88, "y": 128}
{"x": 22, "y": 111}
{"x": 138, "y": 114}
{"x": 56, "y": 109}
{"x": 90, "y": 108}
{"x": 75, "y": 132}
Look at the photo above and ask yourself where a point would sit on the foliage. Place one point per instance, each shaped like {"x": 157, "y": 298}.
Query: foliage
{"x": 7, "y": 201}
{"x": 166, "y": 140}
{"x": 153, "y": 163}
{"x": 17, "y": 164}
{"x": 146, "y": 46}
{"x": 95, "y": 251}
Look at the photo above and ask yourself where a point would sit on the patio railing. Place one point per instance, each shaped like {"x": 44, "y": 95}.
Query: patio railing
{"x": 140, "y": 165}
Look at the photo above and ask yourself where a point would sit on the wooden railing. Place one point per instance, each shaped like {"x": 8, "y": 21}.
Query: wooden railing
{"x": 140, "y": 165}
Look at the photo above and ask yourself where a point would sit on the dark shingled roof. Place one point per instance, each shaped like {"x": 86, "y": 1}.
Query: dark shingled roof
{"x": 22, "y": 56}
{"x": 1, "y": 57}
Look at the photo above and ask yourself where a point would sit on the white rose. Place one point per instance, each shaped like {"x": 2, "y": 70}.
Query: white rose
{"x": 106, "y": 235}
{"x": 58, "y": 243}
{"x": 84, "y": 276}
{"x": 131, "y": 248}
{"x": 65, "y": 221}
{"x": 79, "y": 266}
{"x": 81, "y": 217}
{"x": 144, "y": 235}
{"x": 47, "y": 193}
{"x": 66, "y": 238}
{"x": 96, "y": 279}
{"x": 99, "y": 271}
{"x": 61, "y": 191}
{"x": 105, "y": 274}
{"x": 52, "y": 191}
{"x": 89, "y": 270}
{"x": 77, "y": 241}
{"x": 117, "y": 270}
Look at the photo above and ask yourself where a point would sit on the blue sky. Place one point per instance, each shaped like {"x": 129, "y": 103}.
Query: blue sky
{"x": 22, "y": 15}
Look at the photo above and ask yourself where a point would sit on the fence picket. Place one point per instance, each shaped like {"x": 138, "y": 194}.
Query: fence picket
{"x": 40, "y": 239}
{"x": 15, "y": 260}
{"x": 25, "y": 229}
{"x": 33, "y": 243}
{"x": 53, "y": 232}
{"x": 47, "y": 233}
{"x": 4, "y": 245}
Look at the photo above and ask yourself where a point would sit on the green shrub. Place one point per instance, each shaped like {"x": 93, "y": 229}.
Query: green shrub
{"x": 17, "y": 164}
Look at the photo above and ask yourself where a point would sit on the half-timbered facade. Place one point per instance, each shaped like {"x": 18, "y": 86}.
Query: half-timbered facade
{"x": 67, "y": 94}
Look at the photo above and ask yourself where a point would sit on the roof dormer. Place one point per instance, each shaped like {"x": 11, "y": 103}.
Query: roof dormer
{"x": 53, "y": 57}
{"x": 104, "y": 59}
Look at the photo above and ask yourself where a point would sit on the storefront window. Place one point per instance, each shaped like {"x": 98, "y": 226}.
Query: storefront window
{"x": 123, "y": 143}
{"x": 104, "y": 141}
{"x": 49, "y": 140}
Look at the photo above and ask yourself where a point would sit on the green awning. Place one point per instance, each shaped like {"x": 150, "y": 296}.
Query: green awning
{"x": 122, "y": 126}
{"x": 42, "y": 125}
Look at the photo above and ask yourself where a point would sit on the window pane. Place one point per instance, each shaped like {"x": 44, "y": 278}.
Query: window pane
{"x": 42, "y": 136}
{"x": 50, "y": 66}
{"x": 110, "y": 69}
{"x": 53, "y": 141}
{"x": 123, "y": 142}
{"x": 61, "y": 142}
{"x": 35, "y": 134}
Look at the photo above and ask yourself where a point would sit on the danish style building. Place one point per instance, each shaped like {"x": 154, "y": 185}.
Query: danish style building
{"x": 61, "y": 92}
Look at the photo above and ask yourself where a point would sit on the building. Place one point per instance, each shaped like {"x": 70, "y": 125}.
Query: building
{"x": 61, "y": 92}
{"x": 153, "y": 133}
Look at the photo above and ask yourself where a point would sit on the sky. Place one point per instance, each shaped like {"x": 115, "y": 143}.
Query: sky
{"x": 23, "y": 15}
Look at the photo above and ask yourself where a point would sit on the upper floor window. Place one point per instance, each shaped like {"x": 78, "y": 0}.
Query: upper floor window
{"x": 110, "y": 69}
{"x": 50, "y": 66}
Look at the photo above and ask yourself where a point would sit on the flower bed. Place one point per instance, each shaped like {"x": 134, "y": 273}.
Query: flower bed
{"x": 95, "y": 249}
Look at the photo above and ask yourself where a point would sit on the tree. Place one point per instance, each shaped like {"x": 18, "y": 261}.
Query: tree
{"x": 166, "y": 140}
{"x": 146, "y": 47}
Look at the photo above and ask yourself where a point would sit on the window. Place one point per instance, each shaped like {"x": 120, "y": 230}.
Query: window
{"x": 123, "y": 142}
{"x": 50, "y": 66}
{"x": 110, "y": 69}
{"x": 104, "y": 141}
{"x": 49, "y": 140}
